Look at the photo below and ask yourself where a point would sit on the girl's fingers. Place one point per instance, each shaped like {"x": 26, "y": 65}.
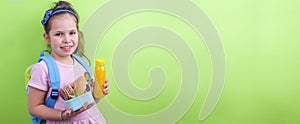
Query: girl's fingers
{"x": 68, "y": 112}
{"x": 85, "y": 106}
{"x": 90, "y": 105}
{"x": 106, "y": 91}
{"x": 105, "y": 85}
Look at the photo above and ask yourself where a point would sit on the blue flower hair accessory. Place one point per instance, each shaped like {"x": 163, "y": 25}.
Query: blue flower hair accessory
{"x": 50, "y": 13}
{"x": 46, "y": 17}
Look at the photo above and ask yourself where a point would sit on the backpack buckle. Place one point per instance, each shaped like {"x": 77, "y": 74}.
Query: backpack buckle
{"x": 54, "y": 94}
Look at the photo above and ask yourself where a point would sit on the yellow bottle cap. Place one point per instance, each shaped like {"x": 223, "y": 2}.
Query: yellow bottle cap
{"x": 100, "y": 61}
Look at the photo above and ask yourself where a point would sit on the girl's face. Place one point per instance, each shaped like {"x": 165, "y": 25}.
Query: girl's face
{"x": 63, "y": 35}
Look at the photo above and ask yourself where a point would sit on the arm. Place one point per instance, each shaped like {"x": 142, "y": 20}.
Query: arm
{"x": 37, "y": 107}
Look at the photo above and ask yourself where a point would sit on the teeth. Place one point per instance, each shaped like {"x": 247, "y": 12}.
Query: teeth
{"x": 66, "y": 47}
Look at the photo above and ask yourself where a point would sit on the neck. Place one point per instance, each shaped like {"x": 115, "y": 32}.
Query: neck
{"x": 63, "y": 59}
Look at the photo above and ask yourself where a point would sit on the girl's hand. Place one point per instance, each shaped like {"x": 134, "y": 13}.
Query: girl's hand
{"x": 106, "y": 89}
{"x": 100, "y": 93}
{"x": 67, "y": 114}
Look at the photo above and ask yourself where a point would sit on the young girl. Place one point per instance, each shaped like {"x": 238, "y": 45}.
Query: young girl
{"x": 64, "y": 39}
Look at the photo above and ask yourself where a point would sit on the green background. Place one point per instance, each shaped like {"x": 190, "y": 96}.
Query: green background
{"x": 260, "y": 39}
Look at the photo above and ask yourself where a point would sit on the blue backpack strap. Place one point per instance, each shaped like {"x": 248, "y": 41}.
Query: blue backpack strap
{"x": 85, "y": 65}
{"x": 42, "y": 53}
{"x": 54, "y": 77}
{"x": 53, "y": 74}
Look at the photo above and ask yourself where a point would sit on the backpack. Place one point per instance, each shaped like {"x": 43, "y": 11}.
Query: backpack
{"x": 53, "y": 74}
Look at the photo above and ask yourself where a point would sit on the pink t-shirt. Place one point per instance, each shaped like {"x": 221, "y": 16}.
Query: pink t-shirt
{"x": 68, "y": 74}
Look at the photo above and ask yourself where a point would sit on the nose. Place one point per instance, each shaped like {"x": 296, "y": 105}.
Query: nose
{"x": 67, "y": 39}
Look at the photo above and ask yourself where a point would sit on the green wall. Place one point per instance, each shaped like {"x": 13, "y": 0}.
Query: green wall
{"x": 164, "y": 67}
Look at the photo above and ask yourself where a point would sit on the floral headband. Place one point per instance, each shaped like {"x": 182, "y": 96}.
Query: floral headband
{"x": 50, "y": 13}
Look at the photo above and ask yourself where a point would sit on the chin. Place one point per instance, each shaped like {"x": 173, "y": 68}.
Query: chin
{"x": 66, "y": 54}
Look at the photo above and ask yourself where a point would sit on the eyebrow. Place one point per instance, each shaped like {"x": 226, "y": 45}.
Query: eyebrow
{"x": 66, "y": 31}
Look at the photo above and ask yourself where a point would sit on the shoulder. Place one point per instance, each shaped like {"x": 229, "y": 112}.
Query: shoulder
{"x": 39, "y": 69}
{"x": 40, "y": 66}
{"x": 39, "y": 76}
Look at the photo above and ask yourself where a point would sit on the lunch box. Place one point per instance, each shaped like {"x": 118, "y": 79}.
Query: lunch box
{"x": 78, "y": 102}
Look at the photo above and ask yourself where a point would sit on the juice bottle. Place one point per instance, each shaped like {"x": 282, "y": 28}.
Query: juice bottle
{"x": 100, "y": 76}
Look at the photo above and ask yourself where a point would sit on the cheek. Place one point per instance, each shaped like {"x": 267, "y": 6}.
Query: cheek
{"x": 55, "y": 42}
{"x": 76, "y": 39}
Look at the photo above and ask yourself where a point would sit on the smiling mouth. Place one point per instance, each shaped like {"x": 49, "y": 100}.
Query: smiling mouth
{"x": 66, "y": 47}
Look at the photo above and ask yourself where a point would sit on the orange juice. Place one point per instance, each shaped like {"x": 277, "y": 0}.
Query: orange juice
{"x": 100, "y": 76}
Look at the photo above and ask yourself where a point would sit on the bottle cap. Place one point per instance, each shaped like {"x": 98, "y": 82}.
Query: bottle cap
{"x": 100, "y": 61}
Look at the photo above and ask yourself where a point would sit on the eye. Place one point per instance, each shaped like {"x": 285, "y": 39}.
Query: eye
{"x": 58, "y": 34}
{"x": 72, "y": 33}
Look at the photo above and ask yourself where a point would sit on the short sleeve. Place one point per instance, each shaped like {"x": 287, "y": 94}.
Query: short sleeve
{"x": 39, "y": 76}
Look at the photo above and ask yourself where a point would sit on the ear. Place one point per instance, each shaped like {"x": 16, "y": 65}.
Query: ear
{"x": 47, "y": 38}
